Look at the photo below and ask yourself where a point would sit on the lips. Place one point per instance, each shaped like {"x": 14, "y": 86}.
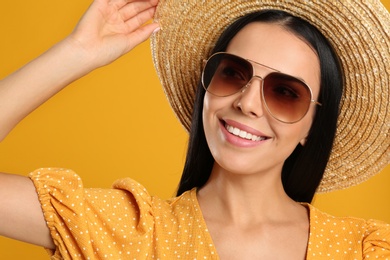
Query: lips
{"x": 244, "y": 134}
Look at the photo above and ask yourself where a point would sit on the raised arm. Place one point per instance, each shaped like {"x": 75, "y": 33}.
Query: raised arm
{"x": 109, "y": 29}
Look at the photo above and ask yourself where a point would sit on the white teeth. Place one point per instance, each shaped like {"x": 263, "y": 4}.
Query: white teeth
{"x": 243, "y": 134}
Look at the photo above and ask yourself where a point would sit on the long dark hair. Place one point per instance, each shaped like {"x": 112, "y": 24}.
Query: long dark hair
{"x": 303, "y": 170}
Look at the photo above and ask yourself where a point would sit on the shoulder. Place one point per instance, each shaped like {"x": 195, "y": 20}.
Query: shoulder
{"x": 349, "y": 235}
{"x": 66, "y": 185}
{"x": 173, "y": 206}
{"x": 113, "y": 218}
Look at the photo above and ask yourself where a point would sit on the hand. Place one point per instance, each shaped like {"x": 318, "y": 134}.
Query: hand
{"x": 111, "y": 28}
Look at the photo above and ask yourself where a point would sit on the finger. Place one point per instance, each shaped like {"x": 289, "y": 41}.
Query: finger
{"x": 141, "y": 35}
{"x": 119, "y": 4}
{"x": 130, "y": 10}
{"x": 137, "y": 21}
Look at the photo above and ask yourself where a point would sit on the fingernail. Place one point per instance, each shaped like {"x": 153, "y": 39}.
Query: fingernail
{"x": 157, "y": 29}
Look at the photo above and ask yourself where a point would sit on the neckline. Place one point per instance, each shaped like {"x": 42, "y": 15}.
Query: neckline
{"x": 207, "y": 235}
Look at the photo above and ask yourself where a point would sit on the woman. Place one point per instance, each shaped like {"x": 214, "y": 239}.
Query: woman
{"x": 303, "y": 181}
{"x": 241, "y": 208}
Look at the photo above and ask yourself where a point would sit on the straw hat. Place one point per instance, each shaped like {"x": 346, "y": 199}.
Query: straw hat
{"x": 359, "y": 30}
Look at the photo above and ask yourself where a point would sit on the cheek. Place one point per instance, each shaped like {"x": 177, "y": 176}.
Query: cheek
{"x": 308, "y": 120}
{"x": 207, "y": 116}
{"x": 208, "y": 125}
{"x": 206, "y": 112}
{"x": 290, "y": 135}
{"x": 211, "y": 106}
{"x": 302, "y": 128}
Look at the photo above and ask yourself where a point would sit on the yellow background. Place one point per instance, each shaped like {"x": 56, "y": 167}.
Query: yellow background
{"x": 114, "y": 122}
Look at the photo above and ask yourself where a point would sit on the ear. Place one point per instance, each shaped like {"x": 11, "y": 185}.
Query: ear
{"x": 303, "y": 141}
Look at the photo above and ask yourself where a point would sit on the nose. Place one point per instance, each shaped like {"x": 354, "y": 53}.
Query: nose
{"x": 250, "y": 102}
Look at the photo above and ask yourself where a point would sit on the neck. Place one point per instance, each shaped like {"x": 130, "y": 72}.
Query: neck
{"x": 245, "y": 198}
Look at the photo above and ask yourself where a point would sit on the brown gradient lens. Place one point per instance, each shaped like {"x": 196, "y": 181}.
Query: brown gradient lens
{"x": 226, "y": 74}
{"x": 286, "y": 98}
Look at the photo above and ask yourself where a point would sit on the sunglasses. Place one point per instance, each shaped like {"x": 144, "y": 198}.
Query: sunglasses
{"x": 286, "y": 98}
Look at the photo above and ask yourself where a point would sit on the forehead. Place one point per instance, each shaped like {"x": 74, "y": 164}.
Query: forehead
{"x": 273, "y": 45}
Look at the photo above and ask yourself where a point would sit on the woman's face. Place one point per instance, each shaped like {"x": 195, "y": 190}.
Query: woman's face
{"x": 273, "y": 46}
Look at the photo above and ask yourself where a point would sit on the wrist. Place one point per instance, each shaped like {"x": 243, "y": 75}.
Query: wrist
{"x": 79, "y": 58}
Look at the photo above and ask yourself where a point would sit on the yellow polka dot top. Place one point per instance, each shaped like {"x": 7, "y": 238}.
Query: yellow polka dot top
{"x": 125, "y": 222}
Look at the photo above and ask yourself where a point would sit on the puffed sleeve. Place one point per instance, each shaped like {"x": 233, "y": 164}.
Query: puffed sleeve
{"x": 376, "y": 241}
{"x": 94, "y": 223}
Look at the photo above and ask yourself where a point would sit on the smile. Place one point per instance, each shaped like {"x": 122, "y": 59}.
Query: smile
{"x": 243, "y": 134}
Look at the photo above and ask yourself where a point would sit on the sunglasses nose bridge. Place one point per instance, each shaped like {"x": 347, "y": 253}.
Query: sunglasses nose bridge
{"x": 251, "y": 100}
{"x": 254, "y": 77}
{"x": 261, "y": 79}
